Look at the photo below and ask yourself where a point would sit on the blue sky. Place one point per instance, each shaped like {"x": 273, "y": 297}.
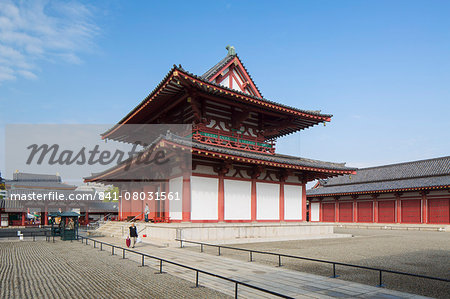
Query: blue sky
{"x": 382, "y": 68}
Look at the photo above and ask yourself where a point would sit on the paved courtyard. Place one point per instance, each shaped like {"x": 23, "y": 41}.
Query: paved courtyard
{"x": 281, "y": 280}
{"x": 421, "y": 252}
{"x": 70, "y": 270}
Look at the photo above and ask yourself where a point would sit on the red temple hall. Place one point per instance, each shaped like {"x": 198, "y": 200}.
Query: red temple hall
{"x": 233, "y": 173}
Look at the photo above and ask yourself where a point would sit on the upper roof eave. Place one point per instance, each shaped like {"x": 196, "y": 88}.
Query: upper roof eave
{"x": 255, "y": 100}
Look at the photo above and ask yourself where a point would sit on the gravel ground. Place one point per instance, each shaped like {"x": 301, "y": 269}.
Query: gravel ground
{"x": 420, "y": 252}
{"x": 70, "y": 270}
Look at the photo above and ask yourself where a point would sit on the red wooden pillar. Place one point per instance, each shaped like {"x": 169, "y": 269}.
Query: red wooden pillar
{"x": 167, "y": 202}
{"x": 186, "y": 198}
{"x": 86, "y": 217}
{"x": 398, "y": 204}
{"x": 23, "y": 218}
{"x": 424, "y": 206}
{"x": 336, "y": 209}
{"x": 320, "y": 210}
{"x": 304, "y": 203}
{"x": 253, "y": 200}
{"x": 45, "y": 216}
{"x": 221, "y": 203}
{"x": 121, "y": 205}
{"x": 281, "y": 209}
{"x": 355, "y": 211}
{"x": 375, "y": 208}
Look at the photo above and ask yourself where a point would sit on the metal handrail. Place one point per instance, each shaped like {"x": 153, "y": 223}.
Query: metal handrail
{"x": 280, "y": 255}
{"x": 135, "y": 217}
{"x": 26, "y": 234}
{"x": 197, "y": 271}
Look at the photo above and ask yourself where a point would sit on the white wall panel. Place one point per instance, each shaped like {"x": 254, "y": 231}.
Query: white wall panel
{"x": 225, "y": 82}
{"x": 236, "y": 86}
{"x": 175, "y": 206}
{"x": 204, "y": 198}
{"x": 292, "y": 202}
{"x": 315, "y": 210}
{"x": 238, "y": 200}
{"x": 267, "y": 201}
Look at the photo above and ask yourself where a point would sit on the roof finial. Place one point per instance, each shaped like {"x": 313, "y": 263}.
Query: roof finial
{"x": 231, "y": 50}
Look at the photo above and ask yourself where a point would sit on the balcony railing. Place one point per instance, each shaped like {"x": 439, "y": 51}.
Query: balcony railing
{"x": 232, "y": 140}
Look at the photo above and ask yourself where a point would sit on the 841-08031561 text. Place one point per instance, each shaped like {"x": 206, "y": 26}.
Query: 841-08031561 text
{"x": 127, "y": 195}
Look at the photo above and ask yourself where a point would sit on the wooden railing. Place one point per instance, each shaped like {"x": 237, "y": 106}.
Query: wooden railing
{"x": 232, "y": 140}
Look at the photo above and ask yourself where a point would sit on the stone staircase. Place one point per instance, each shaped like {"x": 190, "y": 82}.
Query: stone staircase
{"x": 116, "y": 229}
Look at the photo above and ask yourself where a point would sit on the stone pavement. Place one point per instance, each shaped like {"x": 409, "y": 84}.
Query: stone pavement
{"x": 70, "y": 270}
{"x": 281, "y": 280}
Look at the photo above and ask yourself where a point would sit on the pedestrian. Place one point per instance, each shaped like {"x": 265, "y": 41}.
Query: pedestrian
{"x": 133, "y": 234}
{"x": 146, "y": 212}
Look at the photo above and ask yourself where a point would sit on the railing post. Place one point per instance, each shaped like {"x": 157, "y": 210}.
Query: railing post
{"x": 123, "y": 253}
{"x": 101, "y": 246}
{"x": 201, "y": 247}
{"x": 95, "y": 242}
{"x": 219, "y": 250}
{"x": 143, "y": 262}
{"x": 196, "y": 280}
{"x": 251, "y": 256}
{"x": 181, "y": 243}
{"x": 160, "y": 266}
{"x": 334, "y": 271}
{"x": 279, "y": 261}
{"x": 380, "y": 285}
{"x": 236, "y": 290}
{"x": 112, "y": 250}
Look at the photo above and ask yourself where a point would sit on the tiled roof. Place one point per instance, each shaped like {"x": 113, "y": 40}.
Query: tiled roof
{"x": 415, "y": 169}
{"x": 22, "y": 176}
{"x": 40, "y": 181}
{"x": 212, "y": 71}
{"x": 170, "y": 87}
{"x": 42, "y": 185}
{"x": 395, "y": 185}
{"x": 410, "y": 175}
{"x": 277, "y": 158}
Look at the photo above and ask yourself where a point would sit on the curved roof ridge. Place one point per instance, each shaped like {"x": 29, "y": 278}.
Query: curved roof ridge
{"x": 434, "y": 167}
{"x": 405, "y": 163}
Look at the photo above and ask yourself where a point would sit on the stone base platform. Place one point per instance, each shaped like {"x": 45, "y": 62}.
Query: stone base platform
{"x": 223, "y": 233}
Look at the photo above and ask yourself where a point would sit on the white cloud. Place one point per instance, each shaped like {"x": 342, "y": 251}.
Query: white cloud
{"x": 36, "y": 31}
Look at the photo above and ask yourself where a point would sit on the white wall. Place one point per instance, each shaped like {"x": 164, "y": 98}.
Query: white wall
{"x": 238, "y": 195}
{"x": 292, "y": 202}
{"x": 315, "y": 210}
{"x": 267, "y": 201}
{"x": 175, "y": 206}
{"x": 204, "y": 198}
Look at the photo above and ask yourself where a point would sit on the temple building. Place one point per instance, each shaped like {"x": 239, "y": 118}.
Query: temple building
{"x": 412, "y": 192}
{"x": 46, "y": 193}
{"x": 234, "y": 173}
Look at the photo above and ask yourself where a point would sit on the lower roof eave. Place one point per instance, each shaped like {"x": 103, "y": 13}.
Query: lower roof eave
{"x": 378, "y": 191}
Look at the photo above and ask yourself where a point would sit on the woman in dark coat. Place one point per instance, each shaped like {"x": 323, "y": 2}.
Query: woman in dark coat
{"x": 133, "y": 234}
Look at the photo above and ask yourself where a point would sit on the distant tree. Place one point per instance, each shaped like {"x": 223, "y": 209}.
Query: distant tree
{"x": 112, "y": 193}
{"x": 2, "y": 186}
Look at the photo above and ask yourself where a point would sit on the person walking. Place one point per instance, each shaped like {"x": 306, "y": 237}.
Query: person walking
{"x": 146, "y": 212}
{"x": 133, "y": 234}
